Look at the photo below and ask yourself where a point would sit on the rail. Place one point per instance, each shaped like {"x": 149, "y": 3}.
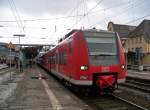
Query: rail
{"x": 137, "y": 83}
{"x": 109, "y": 102}
{"x": 129, "y": 102}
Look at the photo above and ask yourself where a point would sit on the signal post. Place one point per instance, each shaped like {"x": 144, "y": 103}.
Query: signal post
{"x": 10, "y": 46}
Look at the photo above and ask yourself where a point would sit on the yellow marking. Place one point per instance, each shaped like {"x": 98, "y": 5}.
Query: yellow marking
{"x": 54, "y": 102}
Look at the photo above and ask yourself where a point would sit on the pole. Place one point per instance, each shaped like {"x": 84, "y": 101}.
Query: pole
{"x": 126, "y": 61}
{"x": 19, "y": 55}
{"x": 10, "y": 62}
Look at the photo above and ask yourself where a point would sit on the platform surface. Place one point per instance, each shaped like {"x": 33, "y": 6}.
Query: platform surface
{"x": 34, "y": 93}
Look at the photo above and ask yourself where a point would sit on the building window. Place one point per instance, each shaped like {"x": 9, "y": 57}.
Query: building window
{"x": 132, "y": 41}
{"x": 137, "y": 40}
{"x": 140, "y": 39}
{"x": 129, "y": 41}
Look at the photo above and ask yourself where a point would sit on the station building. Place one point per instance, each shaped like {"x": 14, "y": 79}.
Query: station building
{"x": 135, "y": 40}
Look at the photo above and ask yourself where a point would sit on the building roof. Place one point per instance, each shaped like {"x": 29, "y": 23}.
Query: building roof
{"x": 123, "y": 30}
{"x": 142, "y": 29}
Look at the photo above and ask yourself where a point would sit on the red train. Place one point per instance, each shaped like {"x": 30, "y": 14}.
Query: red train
{"x": 88, "y": 58}
{"x": 11, "y": 59}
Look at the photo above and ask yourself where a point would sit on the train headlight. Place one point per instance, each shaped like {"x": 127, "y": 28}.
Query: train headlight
{"x": 123, "y": 67}
{"x": 84, "y": 67}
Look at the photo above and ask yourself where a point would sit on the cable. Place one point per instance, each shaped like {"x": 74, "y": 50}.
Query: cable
{"x": 94, "y": 7}
{"x": 67, "y": 17}
{"x": 125, "y": 11}
{"x": 28, "y": 20}
{"x": 18, "y": 15}
{"x": 115, "y": 16}
{"x": 13, "y": 13}
{"x": 78, "y": 4}
{"x": 86, "y": 14}
{"x": 86, "y": 9}
{"x": 132, "y": 21}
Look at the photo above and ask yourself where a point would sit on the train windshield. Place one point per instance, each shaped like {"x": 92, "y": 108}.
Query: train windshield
{"x": 102, "y": 45}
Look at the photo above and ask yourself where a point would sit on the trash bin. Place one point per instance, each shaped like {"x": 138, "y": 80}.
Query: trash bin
{"x": 140, "y": 67}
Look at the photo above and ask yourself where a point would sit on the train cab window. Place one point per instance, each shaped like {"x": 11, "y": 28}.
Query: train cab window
{"x": 102, "y": 48}
{"x": 102, "y": 44}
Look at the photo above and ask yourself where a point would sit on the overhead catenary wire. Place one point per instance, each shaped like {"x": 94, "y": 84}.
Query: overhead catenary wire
{"x": 15, "y": 14}
{"x": 78, "y": 15}
{"x": 134, "y": 20}
{"x": 99, "y": 22}
{"x": 44, "y": 19}
{"x": 11, "y": 7}
{"x": 129, "y": 8}
{"x": 18, "y": 15}
{"x": 86, "y": 9}
{"x": 66, "y": 17}
{"x": 86, "y": 14}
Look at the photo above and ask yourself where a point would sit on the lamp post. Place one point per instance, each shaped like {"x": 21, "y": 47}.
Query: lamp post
{"x": 19, "y": 35}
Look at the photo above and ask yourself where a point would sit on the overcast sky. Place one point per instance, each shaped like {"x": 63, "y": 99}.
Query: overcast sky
{"x": 45, "y": 21}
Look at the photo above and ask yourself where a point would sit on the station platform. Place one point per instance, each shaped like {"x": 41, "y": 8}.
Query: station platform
{"x": 2, "y": 66}
{"x": 35, "y": 93}
{"x": 139, "y": 74}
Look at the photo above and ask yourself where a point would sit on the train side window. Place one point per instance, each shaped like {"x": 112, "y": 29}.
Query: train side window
{"x": 70, "y": 48}
{"x": 49, "y": 59}
{"x": 60, "y": 57}
{"x": 64, "y": 59}
{"x": 57, "y": 60}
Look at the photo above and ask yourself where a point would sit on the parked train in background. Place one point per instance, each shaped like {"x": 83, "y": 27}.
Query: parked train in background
{"x": 88, "y": 58}
{"x": 11, "y": 59}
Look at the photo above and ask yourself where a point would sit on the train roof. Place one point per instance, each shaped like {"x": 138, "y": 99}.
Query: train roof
{"x": 85, "y": 30}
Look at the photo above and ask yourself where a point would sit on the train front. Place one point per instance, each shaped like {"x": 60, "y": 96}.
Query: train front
{"x": 106, "y": 59}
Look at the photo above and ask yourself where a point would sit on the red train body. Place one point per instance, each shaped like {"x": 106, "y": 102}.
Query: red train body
{"x": 88, "y": 58}
{"x": 11, "y": 60}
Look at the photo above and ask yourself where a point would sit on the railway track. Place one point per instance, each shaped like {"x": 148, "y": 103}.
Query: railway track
{"x": 138, "y": 84}
{"x": 110, "y": 102}
{"x": 6, "y": 70}
{"x": 106, "y": 102}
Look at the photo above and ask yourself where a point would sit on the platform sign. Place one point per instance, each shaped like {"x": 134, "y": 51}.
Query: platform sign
{"x": 10, "y": 45}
